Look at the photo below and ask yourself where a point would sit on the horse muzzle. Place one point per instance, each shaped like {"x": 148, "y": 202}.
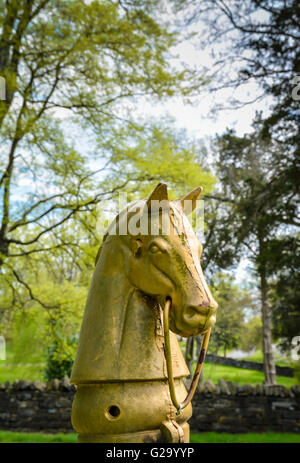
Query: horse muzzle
{"x": 191, "y": 320}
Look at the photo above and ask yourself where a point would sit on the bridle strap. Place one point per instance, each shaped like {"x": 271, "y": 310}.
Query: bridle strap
{"x": 167, "y": 348}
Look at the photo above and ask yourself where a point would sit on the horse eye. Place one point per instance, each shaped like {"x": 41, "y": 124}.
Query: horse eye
{"x": 154, "y": 249}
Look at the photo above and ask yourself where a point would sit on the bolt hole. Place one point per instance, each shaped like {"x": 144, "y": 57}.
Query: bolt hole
{"x": 113, "y": 412}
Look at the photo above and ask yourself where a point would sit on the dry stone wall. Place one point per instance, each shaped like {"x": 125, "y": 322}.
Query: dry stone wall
{"x": 227, "y": 407}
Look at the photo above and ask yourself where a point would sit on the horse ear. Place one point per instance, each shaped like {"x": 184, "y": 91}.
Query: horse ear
{"x": 192, "y": 196}
{"x": 159, "y": 193}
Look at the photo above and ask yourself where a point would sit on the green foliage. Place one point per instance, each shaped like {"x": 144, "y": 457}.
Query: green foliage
{"x": 29, "y": 371}
{"x": 232, "y": 300}
{"x": 73, "y": 70}
{"x": 251, "y": 336}
{"x": 29, "y": 336}
{"x": 205, "y": 437}
{"x": 259, "y": 438}
{"x": 259, "y": 172}
{"x": 50, "y": 297}
{"x": 25, "y": 357}
{"x": 258, "y": 208}
{"x": 215, "y": 372}
{"x": 260, "y": 190}
{"x": 297, "y": 371}
{"x": 59, "y": 363}
{"x": 157, "y": 152}
{"x": 284, "y": 263}
{"x": 69, "y": 139}
{"x": 31, "y": 437}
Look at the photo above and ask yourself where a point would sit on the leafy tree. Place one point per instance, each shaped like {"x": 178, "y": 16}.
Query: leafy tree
{"x": 259, "y": 172}
{"x": 59, "y": 362}
{"x": 69, "y": 139}
{"x": 27, "y": 339}
{"x": 73, "y": 69}
{"x": 258, "y": 202}
{"x": 59, "y": 286}
{"x": 285, "y": 290}
{"x": 253, "y": 41}
{"x": 58, "y": 279}
{"x": 251, "y": 337}
{"x": 156, "y": 155}
{"x": 157, "y": 151}
{"x": 232, "y": 300}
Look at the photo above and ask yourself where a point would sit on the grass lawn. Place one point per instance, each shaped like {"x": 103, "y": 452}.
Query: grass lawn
{"x": 207, "y": 437}
{"x": 258, "y": 357}
{"x": 36, "y": 437}
{"x": 33, "y": 372}
{"x": 252, "y": 438}
{"x": 30, "y": 372}
{"x": 214, "y": 372}
{"x": 239, "y": 375}
{"x": 10, "y": 370}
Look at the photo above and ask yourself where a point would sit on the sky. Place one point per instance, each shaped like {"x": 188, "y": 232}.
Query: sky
{"x": 200, "y": 119}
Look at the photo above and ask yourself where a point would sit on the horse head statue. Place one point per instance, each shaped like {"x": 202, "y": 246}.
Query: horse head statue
{"x": 150, "y": 257}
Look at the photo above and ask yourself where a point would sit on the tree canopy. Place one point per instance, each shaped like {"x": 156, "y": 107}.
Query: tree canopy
{"x": 233, "y": 301}
{"x": 259, "y": 172}
{"x": 70, "y": 137}
{"x": 73, "y": 70}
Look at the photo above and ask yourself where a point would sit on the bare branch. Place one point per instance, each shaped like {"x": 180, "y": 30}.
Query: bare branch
{"x": 32, "y": 296}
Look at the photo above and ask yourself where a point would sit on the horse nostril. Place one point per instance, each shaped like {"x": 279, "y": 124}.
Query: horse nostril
{"x": 205, "y": 308}
{"x": 209, "y": 305}
{"x": 205, "y": 304}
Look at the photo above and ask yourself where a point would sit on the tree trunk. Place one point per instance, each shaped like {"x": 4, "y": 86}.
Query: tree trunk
{"x": 198, "y": 339}
{"x": 269, "y": 364}
{"x": 3, "y": 250}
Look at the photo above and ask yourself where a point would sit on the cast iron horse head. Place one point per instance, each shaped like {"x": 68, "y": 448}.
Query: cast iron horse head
{"x": 162, "y": 259}
{"x": 149, "y": 255}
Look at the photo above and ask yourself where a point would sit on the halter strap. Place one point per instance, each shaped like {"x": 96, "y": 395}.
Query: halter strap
{"x": 167, "y": 348}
